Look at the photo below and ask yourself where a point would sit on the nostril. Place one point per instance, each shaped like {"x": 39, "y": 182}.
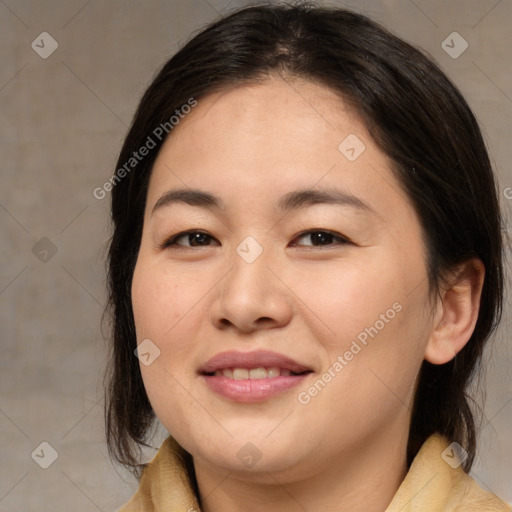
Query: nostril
{"x": 264, "y": 319}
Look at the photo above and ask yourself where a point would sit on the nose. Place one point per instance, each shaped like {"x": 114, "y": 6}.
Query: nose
{"x": 251, "y": 297}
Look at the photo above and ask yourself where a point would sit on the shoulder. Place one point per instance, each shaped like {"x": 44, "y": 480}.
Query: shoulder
{"x": 473, "y": 498}
{"x": 165, "y": 483}
{"x": 436, "y": 481}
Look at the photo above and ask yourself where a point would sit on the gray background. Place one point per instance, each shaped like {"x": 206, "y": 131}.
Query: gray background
{"x": 63, "y": 121}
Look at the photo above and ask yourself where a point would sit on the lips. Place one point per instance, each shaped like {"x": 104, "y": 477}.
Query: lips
{"x": 252, "y": 361}
{"x": 252, "y": 376}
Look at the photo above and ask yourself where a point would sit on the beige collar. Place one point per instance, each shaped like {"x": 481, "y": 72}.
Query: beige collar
{"x": 430, "y": 485}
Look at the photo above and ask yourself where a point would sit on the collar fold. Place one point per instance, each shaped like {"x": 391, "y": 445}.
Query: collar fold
{"x": 431, "y": 484}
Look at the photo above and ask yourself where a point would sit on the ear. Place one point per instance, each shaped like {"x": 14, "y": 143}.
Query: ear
{"x": 457, "y": 312}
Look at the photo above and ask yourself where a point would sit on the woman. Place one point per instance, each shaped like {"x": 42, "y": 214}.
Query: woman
{"x": 307, "y": 261}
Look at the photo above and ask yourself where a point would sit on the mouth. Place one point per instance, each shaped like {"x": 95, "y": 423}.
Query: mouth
{"x": 258, "y": 364}
{"x": 254, "y": 373}
{"x": 252, "y": 376}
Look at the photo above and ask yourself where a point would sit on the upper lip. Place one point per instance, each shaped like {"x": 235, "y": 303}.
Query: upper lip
{"x": 249, "y": 360}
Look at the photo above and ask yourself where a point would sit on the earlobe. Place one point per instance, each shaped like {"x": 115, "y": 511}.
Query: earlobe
{"x": 457, "y": 312}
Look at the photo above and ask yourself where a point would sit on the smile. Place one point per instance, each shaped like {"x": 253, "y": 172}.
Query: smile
{"x": 253, "y": 373}
{"x": 252, "y": 376}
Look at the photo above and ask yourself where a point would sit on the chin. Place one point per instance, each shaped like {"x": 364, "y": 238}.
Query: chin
{"x": 249, "y": 454}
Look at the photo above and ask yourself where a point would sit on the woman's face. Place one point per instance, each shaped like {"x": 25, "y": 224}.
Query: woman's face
{"x": 287, "y": 328}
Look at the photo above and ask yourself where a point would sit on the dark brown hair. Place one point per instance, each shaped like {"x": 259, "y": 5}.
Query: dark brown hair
{"x": 416, "y": 116}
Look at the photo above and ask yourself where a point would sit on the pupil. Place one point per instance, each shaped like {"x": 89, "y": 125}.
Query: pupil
{"x": 321, "y": 237}
{"x": 197, "y": 238}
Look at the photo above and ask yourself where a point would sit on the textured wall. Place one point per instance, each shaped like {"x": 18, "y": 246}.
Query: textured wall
{"x": 63, "y": 120}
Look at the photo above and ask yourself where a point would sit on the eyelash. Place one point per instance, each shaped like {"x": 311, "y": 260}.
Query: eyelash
{"x": 171, "y": 242}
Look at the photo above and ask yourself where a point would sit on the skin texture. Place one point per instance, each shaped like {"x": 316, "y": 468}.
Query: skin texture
{"x": 250, "y": 146}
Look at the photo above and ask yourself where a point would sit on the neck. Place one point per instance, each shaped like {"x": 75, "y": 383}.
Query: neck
{"x": 365, "y": 480}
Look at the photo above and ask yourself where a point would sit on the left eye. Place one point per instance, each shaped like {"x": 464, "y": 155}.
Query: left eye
{"x": 321, "y": 238}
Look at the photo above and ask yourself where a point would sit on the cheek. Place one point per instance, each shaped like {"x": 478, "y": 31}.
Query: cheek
{"x": 164, "y": 306}
{"x": 372, "y": 317}
{"x": 369, "y": 377}
{"x": 161, "y": 300}
{"x": 349, "y": 297}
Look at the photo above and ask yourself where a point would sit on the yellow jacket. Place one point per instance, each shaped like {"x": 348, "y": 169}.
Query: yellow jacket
{"x": 431, "y": 485}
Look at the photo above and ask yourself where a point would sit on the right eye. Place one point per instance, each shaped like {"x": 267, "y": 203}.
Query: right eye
{"x": 193, "y": 238}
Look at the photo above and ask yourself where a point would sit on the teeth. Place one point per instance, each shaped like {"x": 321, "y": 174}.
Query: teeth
{"x": 257, "y": 373}
{"x": 273, "y": 372}
{"x": 240, "y": 373}
{"x": 253, "y": 373}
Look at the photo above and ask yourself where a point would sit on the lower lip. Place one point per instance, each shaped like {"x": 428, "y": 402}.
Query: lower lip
{"x": 248, "y": 391}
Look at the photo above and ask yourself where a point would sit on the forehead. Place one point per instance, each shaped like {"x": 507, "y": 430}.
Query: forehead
{"x": 276, "y": 111}
{"x": 262, "y": 140}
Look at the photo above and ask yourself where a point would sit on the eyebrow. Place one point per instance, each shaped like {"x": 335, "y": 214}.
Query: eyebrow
{"x": 290, "y": 201}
